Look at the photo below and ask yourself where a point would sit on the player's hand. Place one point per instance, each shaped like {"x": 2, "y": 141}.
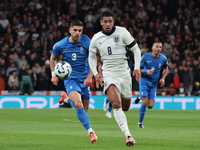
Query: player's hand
{"x": 99, "y": 80}
{"x": 54, "y": 80}
{"x": 162, "y": 82}
{"x": 149, "y": 72}
{"x": 87, "y": 81}
{"x": 137, "y": 75}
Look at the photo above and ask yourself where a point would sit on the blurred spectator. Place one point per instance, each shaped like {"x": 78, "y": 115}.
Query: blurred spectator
{"x": 11, "y": 68}
{"x": 34, "y": 77}
{"x": 196, "y": 89}
{"x": 2, "y": 64}
{"x": 89, "y": 22}
{"x": 2, "y": 84}
{"x": 37, "y": 67}
{"x": 32, "y": 60}
{"x": 170, "y": 90}
{"x": 181, "y": 90}
{"x": 43, "y": 80}
{"x": 176, "y": 79}
{"x": 21, "y": 32}
{"x": 14, "y": 87}
{"x": 8, "y": 35}
{"x": 187, "y": 79}
{"x": 13, "y": 78}
{"x": 22, "y": 72}
{"x": 3, "y": 21}
{"x": 51, "y": 41}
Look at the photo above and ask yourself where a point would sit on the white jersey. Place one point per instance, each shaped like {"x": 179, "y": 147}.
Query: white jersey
{"x": 112, "y": 49}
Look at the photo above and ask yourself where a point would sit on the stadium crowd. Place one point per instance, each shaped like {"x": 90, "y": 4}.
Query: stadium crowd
{"x": 29, "y": 30}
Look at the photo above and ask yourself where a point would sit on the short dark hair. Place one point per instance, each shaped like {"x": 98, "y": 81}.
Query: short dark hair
{"x": 157, "y": 42}
{"x": 76, "y": 23}
{"x": 107, "y": 13}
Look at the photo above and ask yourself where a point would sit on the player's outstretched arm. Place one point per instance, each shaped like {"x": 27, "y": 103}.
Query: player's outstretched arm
{"x": 53, "y": 61}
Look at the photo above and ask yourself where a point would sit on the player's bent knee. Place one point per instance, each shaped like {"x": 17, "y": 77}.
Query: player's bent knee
{"x": 78, "y": 105}
{"x": 116, "y": 105}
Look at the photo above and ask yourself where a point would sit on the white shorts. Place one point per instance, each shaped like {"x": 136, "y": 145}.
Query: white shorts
{"x": 123, "y": 84}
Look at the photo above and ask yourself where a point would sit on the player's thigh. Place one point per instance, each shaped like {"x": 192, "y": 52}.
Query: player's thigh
{"x": 114, "y": 96}
{"x": 152, "y": 93}
{"x": 144, "y": 88}
{"x": 72, "y": 85}
{"x": 126, "y": 87}
{"x": 74, "y": 92}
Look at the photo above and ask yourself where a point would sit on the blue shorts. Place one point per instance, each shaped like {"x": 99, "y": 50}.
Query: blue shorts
{"x": 148, "y": 89}
{"x": 77, "y": 85}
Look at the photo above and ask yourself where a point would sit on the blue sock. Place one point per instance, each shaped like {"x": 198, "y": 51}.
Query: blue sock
{"x": 142, "y": 113}
{"x": 83, "y": 117}
{"x": 107, "y": 100}
{"x": 70, "y": 102}
{"x": 110, "y": 107}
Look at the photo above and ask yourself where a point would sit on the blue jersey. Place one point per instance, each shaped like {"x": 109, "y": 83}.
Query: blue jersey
{"x": 76, "y": 54}
{"x": 155, "y": 64}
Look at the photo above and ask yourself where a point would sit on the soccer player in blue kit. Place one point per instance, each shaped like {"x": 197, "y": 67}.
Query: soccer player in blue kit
{"x": 74, "y": 49}
{"x": 151, "y": 65}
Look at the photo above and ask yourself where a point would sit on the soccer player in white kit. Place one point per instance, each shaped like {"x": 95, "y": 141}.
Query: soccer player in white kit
{"x": 112, "y": 43}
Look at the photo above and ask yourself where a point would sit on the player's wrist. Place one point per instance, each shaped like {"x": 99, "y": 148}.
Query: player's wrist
{"x": 144, "y": 71}
{"x": 53, "y": 74}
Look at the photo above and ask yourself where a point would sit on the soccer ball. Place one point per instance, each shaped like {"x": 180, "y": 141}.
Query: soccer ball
{"x": 63, "y": 70}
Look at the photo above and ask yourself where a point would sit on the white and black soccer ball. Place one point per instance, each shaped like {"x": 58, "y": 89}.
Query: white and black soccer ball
{"x": 63, "y": 70}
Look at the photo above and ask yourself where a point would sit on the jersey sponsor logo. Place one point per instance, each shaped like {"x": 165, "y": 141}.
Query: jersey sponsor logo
{"x": 149, "y": 61}
{"x": 64, "y": 49}
{"x": 70, "y": 87}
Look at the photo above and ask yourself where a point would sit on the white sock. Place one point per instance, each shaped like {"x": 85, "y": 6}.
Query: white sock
{"x": 121, "y": 120}
{"x": 90, "y": 130}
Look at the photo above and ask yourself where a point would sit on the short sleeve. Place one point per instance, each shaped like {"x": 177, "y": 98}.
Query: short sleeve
{"x": 55, "y": 50}
{"x": 127, "y": 37}
{"x": 92, "y": 47}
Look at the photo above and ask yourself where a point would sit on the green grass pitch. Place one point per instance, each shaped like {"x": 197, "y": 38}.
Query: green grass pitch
{"x": 59, "y": 129}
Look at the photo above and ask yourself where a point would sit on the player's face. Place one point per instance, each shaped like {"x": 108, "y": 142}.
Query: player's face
{"x": 75, "y": 32}
{"x": 107, "y": 24}
{"x": 156, "y": 48}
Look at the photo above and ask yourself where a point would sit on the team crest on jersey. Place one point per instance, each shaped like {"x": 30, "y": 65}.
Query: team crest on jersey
{"x": 116, "y": 39}
{"x": 81, "y": 49}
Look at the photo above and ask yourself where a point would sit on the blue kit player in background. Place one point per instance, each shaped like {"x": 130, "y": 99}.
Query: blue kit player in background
{"x": 74, "y": 49}
{"x": 151, "y": 65}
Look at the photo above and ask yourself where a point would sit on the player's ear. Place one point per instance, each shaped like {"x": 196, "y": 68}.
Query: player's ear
{"x": 69, "y": 30}
{"x": 100, "y": 22}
